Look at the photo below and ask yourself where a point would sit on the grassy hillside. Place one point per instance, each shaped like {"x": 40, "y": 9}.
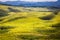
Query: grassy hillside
{"x": 20, "y": 23}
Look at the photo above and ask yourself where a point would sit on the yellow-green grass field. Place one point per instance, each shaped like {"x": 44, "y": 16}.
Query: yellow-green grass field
{"x": 20, "y": 23}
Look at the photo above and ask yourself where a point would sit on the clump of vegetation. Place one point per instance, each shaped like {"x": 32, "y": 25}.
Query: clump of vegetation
{"x": 54, "y": 36}
{"x": 13, "y": 10}
{"x": 56, "y": 25}
{"x": 30, "y": 37}
{"x": 49, "y": 17}
{"x": 1, "y": 20}
{"x": 12, "y": 19}
{"x": 3, "y": 13}
{"x": 45, "y": 31}
{"x": 4, "y": 29}
{"x": 56, "y": 11}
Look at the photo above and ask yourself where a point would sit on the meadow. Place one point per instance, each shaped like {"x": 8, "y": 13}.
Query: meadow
{"x": 29, "y": 23}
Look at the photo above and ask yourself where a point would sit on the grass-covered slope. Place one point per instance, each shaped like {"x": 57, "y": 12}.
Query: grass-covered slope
{"x": 20, "y": 23}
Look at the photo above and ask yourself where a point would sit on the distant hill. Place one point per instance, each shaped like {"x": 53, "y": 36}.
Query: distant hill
{"x": 25, "y": 4}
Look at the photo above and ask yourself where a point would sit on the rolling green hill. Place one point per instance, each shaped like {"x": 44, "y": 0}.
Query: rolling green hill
{"x": 20, "y": 23}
